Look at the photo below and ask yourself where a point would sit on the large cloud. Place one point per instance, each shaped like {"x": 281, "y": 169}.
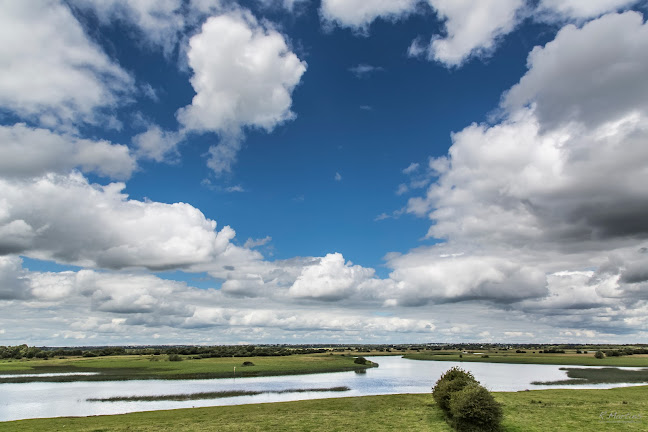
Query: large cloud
{"x": 67, "y": 219}
{"x": 529, "y": 206}
{"x": 513, "y": 184}
{"x": 537, "y": 177}
{"x": 31, "y": 152}
{"x": 51, "y": 71}
{"x": 244, "y": 75}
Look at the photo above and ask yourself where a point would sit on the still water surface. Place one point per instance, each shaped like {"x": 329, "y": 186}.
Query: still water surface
{"x": 394, "y": 376}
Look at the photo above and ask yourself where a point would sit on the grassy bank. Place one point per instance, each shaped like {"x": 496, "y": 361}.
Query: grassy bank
{"x": 600, "y": 376}
{"x": 159, "y": 367}
{"x": 533, "y": 358}
{"x": 532, "y": 411}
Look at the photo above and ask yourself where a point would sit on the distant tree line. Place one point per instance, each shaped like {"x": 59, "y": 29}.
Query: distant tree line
{"x": 24, "y": 351}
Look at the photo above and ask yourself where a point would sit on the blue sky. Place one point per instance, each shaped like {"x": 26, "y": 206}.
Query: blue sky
{"x": 367, "y": 128}
{"x": 306, "y": 171}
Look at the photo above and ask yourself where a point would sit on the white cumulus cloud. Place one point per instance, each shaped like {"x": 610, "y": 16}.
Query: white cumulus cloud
{"x": 547, "y": 207}
{"x": 67, "y": 219}
{"x": 331, "y": 279}
{"x": 244, "y": 74}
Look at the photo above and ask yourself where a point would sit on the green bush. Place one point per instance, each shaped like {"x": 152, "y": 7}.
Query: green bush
{"x": 248, "y": 363}
{"x": 360, "y": 360}
{"x": 473, "y": 408}
{"x": 174, "y": 357}
{"x": 599, "y": 354}
{"x": 451, "y": 381}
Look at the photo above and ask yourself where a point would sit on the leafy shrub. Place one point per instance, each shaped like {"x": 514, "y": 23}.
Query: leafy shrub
{"x": 485, "y": 356}
{"x": 451, "y": 381}
{"x": 473, "y": 408}
{"x": 248, "y": 363}
{"x": 360, "y": 360}
{"x": 599, "y": 354}
{"x": 174, "y": 357}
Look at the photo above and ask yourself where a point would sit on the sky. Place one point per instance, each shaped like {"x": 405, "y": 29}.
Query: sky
{"x": 334, "y": 171}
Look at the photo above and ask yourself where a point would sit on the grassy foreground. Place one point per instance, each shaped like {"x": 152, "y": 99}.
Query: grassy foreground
{"x": 532, "y": 411}
{"x": 636, "y": 360}
{"x": 159, "y": 367}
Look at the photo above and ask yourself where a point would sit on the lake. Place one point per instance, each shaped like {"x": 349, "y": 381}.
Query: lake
{"x": 395, "y": 375}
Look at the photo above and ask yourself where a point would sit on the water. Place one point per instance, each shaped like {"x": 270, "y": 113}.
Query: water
{"x": 394, "y": 376}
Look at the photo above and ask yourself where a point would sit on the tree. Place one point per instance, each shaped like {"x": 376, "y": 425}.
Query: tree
{"x": 468, "y": 406}
{"x": 451, "y": 381}
{"x": 473, "y": 408}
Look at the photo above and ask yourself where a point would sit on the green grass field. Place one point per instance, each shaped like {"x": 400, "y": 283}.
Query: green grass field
{"x": 529, "y": 411}
{"x": 158, "y": 367}
{"x": 636, "y": 360}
